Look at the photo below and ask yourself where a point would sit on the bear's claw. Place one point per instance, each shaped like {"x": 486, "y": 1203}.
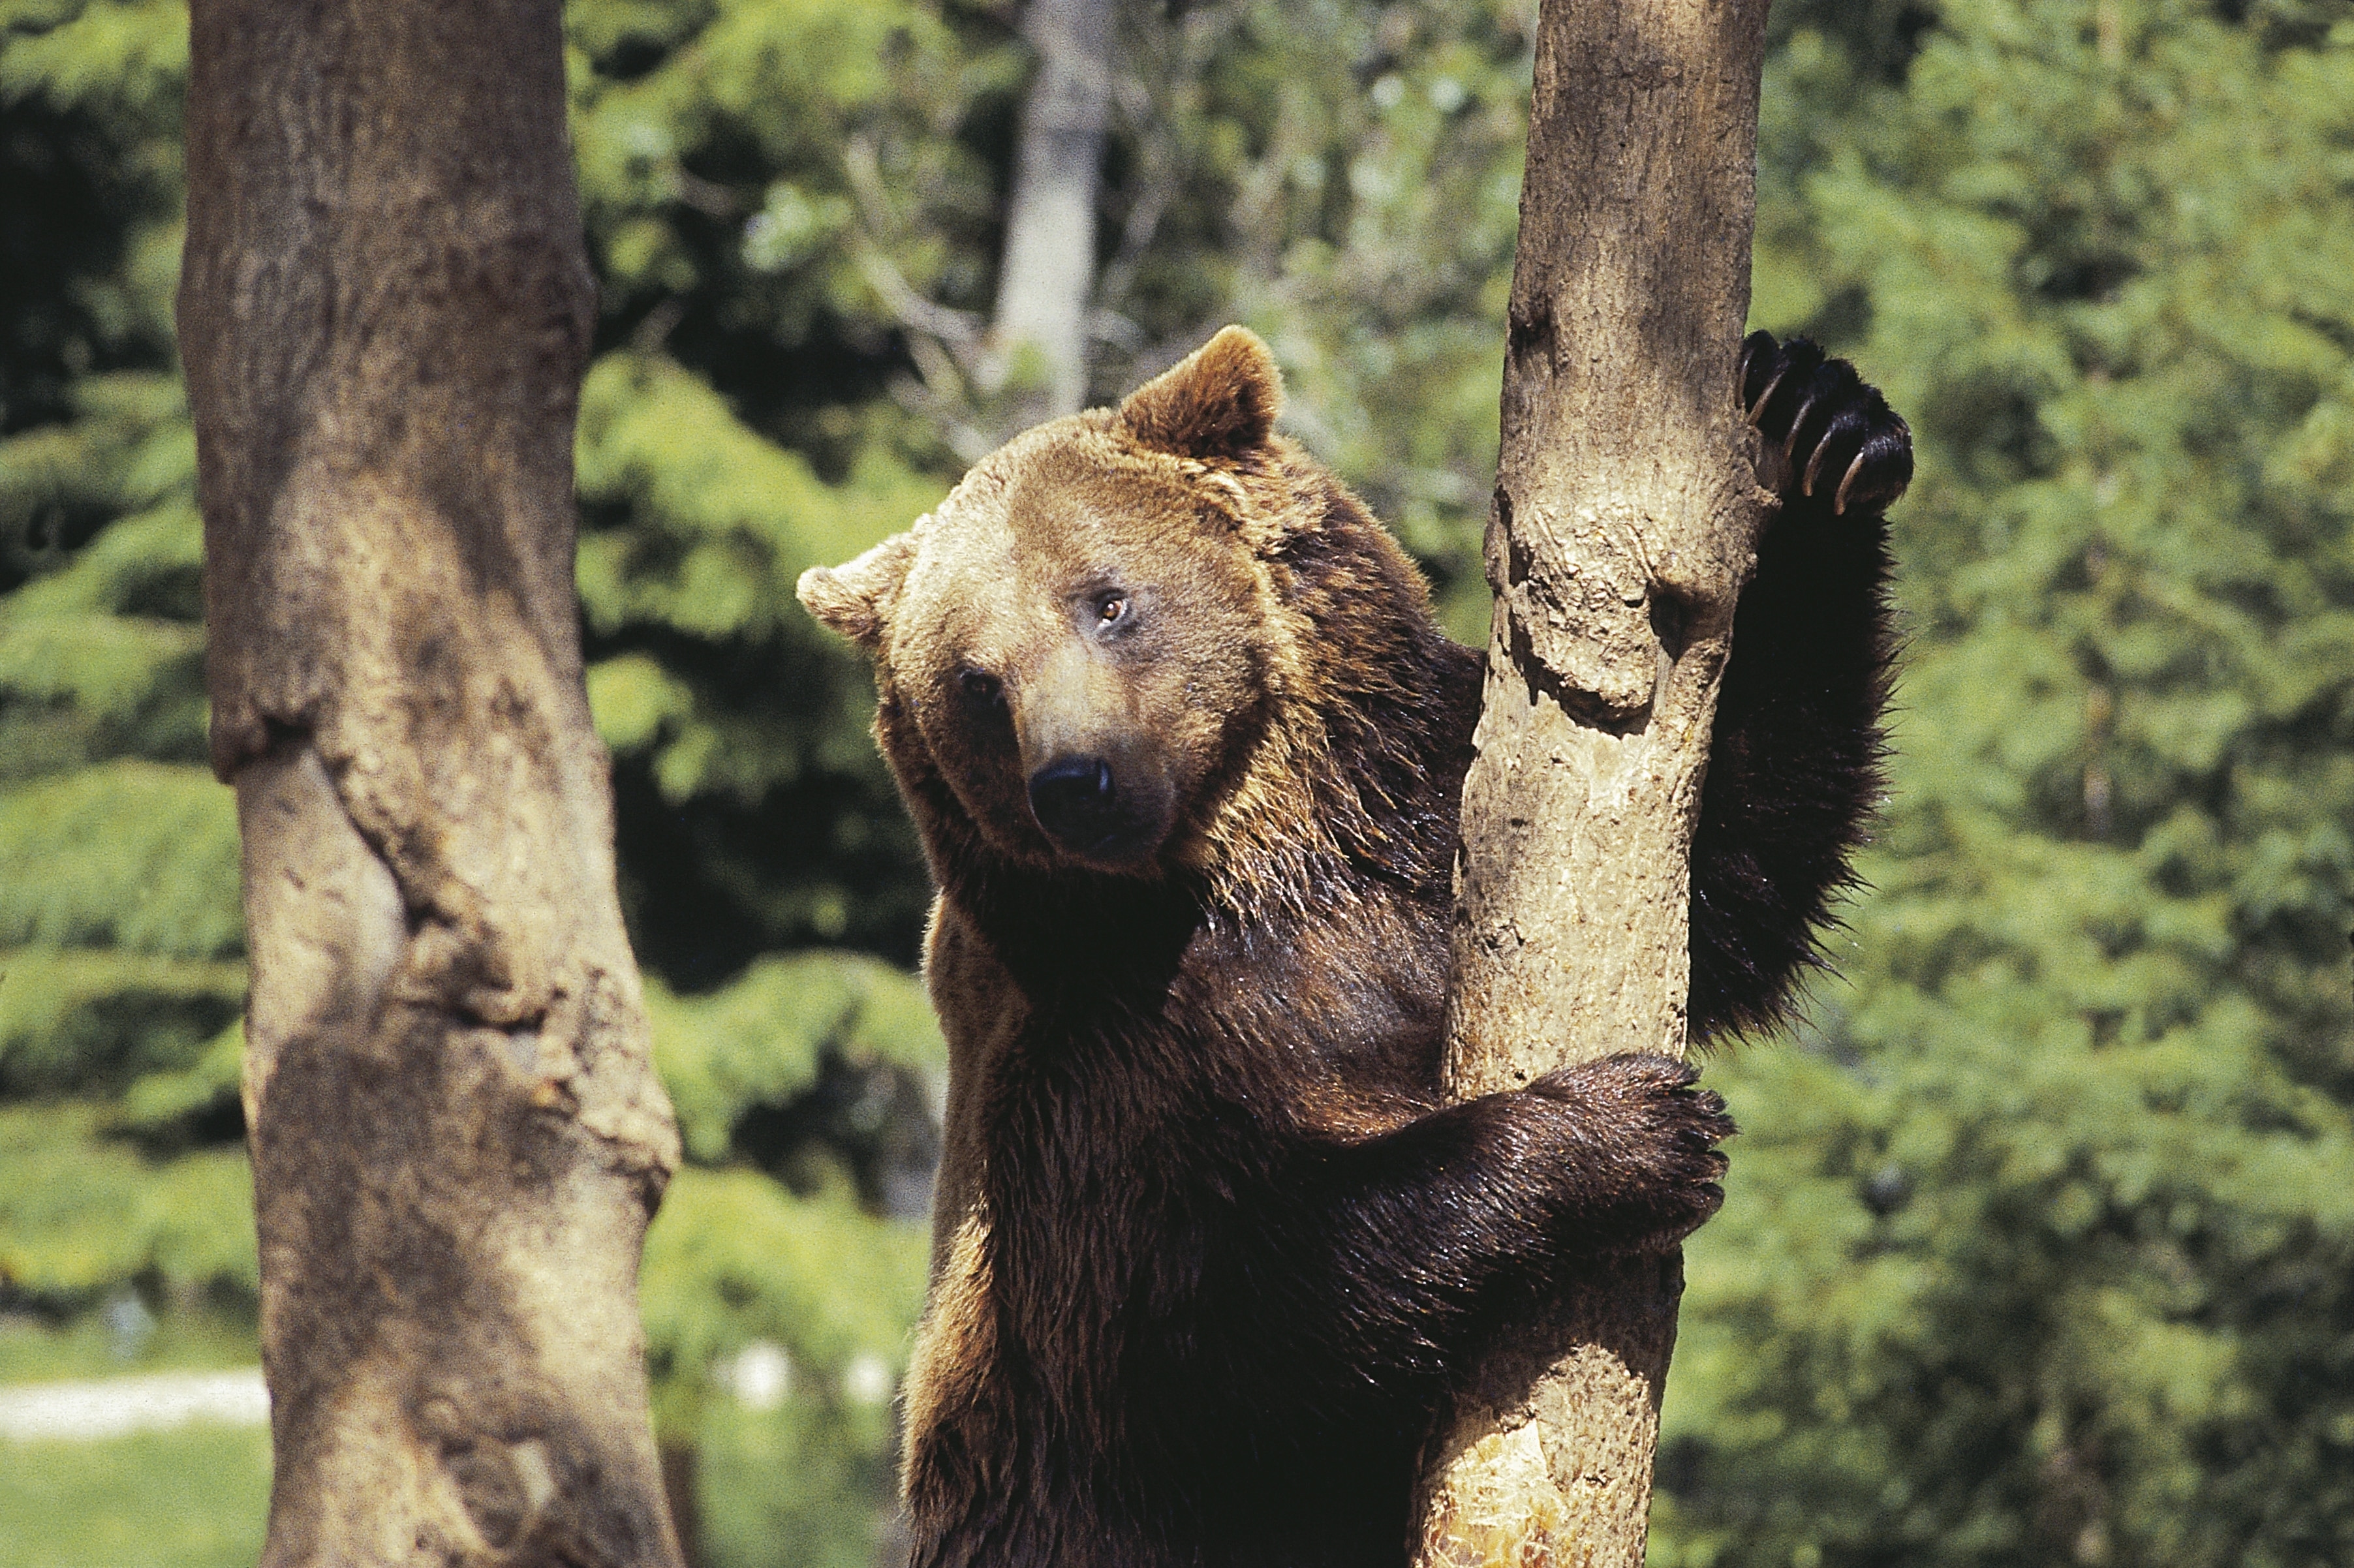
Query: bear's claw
{"x": 1826, "y": 420}
{"x": 1645, "y": 1148}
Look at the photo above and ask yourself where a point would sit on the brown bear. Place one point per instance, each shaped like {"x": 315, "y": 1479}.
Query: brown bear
{"x": 1186, "y": 749}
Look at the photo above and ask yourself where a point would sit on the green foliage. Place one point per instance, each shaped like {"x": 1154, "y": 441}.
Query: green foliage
{"x": 1367, "y": 161}
{"x": 121, "y": 953}
{"x": 147, "y": 894}
{"x": 769, "y": 1039}
{"x": 81, "y": 1215}
{"x": 2038, "y": 1251}
{"x": 743, "y": 1262}
{"x": 735, "y": 1258}
{"x": 794, "y": 1487}
{"x": 93, "y": 1346}
{"x": 755, "y": 812}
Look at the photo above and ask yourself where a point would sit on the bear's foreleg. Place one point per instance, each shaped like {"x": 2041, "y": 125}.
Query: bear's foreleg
{"x": 1794, "y": 765}
{"x": 1386, "y": 1253}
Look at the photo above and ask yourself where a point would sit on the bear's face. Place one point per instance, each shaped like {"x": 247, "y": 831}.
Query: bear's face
{"x": 1072, "y": 645}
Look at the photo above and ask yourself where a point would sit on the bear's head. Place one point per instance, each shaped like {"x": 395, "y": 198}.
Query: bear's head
{"x": 1078, "y": 652}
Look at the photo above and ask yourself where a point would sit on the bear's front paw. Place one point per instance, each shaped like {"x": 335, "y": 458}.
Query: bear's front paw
{"x": 1647, "y": 1151}
{"x": 1828, "y": 434}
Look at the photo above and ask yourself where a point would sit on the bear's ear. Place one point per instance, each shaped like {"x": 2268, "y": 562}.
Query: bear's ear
{"x": 854, "y": 599}
{"x": 1220, "y": 401}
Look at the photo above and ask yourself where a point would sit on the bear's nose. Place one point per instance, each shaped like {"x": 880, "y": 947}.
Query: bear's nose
{"x": 1077, "y": 801}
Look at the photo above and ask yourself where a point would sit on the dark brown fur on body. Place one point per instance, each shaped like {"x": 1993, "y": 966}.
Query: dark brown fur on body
{"x": 1207, "y": 1242}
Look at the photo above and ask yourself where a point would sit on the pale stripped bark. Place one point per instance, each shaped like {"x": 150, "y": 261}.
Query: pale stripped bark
{"x": 1626, "y": 519}
{"x": 984, "y": 381}
{"x": 457, "y": 1135}
{"x": 1047, "y": 276}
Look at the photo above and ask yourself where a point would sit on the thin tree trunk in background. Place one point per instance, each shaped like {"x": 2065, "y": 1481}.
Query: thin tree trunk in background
{"x": 1626, "y": 517}
{"x": 1046, "y": 277}
{"x": 457, "y": 1135}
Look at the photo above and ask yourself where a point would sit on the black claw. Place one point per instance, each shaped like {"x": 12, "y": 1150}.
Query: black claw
{"x": 1798, "y": 420}
{"x": 1760, "y": 356}
{"x": 1827, "y": 421}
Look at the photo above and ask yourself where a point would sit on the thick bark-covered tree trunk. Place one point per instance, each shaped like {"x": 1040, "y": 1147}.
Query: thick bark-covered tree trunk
{"x": 1047, "y": 279}
{"x": 457, "y": 1135}
{"x": 1626, "y": 518}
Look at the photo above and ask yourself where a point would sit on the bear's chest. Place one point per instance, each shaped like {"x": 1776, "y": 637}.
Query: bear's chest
{"x": 1112, "y": 1171}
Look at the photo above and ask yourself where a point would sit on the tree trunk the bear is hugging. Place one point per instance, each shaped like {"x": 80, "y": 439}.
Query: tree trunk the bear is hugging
{"x": 457, "y": 1135}
{"x": 1626, "y": 519}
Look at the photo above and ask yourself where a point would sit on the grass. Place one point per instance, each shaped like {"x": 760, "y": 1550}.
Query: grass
{"x": 194, "y": 1498}
{"x": 801, "y": 1487}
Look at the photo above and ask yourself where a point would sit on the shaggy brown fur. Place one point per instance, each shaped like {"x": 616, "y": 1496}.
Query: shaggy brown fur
{"x": 1186, "y": 749}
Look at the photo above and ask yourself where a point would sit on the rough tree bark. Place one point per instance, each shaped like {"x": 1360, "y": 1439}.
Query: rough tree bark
{"x": 1046, "y": 278}
{"x": 457, "y": 1135}
{"x": 1625, "y": 522}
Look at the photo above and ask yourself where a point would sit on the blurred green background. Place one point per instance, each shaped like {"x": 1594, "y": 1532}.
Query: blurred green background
{"x": 2039, "y": 1241}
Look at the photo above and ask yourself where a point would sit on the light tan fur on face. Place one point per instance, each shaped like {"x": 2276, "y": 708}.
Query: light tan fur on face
{"x": 854, "y": 599}
{"x": 1183, "y": 467}
{"x": 996, "y": 584}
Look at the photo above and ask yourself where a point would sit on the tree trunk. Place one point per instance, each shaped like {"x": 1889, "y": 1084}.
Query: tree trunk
{"x": 1626, "y": 518}
{"x": 1046, "y": 277}
{"x": 457, "y": 1135}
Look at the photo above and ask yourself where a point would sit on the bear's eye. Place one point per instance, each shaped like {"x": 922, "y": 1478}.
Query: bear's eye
{"x": 1110, "y": 607}
{"x": 983, "y": 687}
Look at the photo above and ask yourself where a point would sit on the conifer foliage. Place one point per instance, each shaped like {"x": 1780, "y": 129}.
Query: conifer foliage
{"x": 2039, "y": 1248}
{"x": 121, "y": 946}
